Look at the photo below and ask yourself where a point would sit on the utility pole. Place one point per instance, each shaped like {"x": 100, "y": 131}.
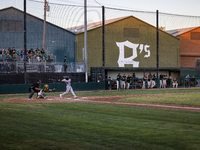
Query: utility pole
{"x": 24, "y": 41}
{"x": 85, "y": 40}
{"x": 157, "y": 48}
{"x": 44, "y": 27}
{"x": 103, "y": 43}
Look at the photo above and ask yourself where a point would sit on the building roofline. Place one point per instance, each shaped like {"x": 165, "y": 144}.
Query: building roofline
{"x": 11, "y": 7}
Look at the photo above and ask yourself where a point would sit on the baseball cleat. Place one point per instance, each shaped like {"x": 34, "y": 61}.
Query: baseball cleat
{"x": 61, "y": 96}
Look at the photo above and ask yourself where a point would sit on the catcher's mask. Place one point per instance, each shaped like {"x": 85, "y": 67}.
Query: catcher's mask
{"x": 46, "y": 86}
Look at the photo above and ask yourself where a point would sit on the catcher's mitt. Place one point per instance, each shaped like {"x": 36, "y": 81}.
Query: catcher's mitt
{"x": 54, "y": 89}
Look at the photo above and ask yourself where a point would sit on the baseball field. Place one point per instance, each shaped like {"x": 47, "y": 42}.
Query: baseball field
{"x": 163, "y": 119}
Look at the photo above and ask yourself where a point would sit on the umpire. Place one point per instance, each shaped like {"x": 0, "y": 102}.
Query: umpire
{"x": 34, "y": 88}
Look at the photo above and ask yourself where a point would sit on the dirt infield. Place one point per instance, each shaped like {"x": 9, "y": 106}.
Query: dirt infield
{"x": 114, "y": 100}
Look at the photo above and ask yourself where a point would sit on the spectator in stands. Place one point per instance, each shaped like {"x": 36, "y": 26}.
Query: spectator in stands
{"x": 38, "y": 58}
{"x": 150, "y": 80}
{"x": 118, "y": 80}
{"x": 133, "y": 76}
{"x": 7, "y": 67}
{"x": 109, "y": 82}
{"x": 37, "y": 50}
{"x": 192, "y": 81}
{"x": 169, "y": 81}
{"x": 49, "y": 59}
{"x": 123, "y": 85}
{"x": 100, "y": 79}
{"x": 89, "y": 78}
{"x": 154, "y": 80}
{"x": 22, "y": 53}
{"x": 161, "y": 80}
{"x": 175, "y": 83}
{"x": 144, "y": 82}
{"x": 65, "y": 64}
{"x": 164, "y": 80}
{"x": 3, "y": 57}
{"x": 0, "y": 52}
{"x": 1, "y": 67}
{"x": 42, "y": 52}
{"x": 128, "y": 80}
{"x": 187, "y": 80}
{"x": 30, "y": 51}
{"x": 8, "y": 57}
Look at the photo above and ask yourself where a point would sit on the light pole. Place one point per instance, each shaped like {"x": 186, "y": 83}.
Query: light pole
{"x": 48, "y": 47}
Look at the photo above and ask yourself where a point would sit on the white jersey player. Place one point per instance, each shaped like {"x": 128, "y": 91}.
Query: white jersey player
{"x": 67, "y": 80}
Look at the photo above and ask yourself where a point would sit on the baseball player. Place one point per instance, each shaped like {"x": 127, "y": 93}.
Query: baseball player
{"x": 67, "y": 80}
{"x": 42, "y": 92}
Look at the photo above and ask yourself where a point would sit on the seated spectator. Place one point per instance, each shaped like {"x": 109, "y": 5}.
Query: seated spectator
{"x": 42, "y": 51}
{"x": 37, "y": 50}
{"x": 30, "y": 51}
{"x": 1, "y": 67}
{"x": 8, "y": 57}
{"x": 38, "y": 58}
{"x": 49, "y": 59}
{"x": 100, "y": 79}
{"x": 0, "y": 52}
{"x": 22, "y": 53}
{"x": 175, "y": 83}
{"x": 7, "y": 67}
{"x": 192, "y": 81}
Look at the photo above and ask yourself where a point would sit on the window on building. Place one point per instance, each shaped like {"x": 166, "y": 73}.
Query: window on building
{"x": 131, "y": 32}
{"x": 11, "y": 26}
{"x": 195, "y": 35}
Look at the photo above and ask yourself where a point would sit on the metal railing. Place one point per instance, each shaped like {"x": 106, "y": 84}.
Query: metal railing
{"x": 138, "y": 83}
{"x": 18, "y": 67}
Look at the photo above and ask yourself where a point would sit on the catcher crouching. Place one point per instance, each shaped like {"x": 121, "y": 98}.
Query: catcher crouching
{"x": 41, "y": 93}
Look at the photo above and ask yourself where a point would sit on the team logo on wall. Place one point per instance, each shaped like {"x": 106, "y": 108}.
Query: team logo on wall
{"x": 130, "y": 60}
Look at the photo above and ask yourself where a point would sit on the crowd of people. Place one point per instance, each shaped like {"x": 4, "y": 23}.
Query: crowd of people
{"x": 148, "y": 81}
{"x": 10, "y": 55}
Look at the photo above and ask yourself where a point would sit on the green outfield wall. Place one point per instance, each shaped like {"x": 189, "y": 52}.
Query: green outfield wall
{"x": 60, "y": 87}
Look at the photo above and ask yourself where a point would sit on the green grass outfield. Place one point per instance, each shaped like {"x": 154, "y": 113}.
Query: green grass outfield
{"x": 87, "y": 126}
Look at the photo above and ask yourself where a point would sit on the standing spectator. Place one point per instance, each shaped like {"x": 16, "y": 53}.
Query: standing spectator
{"x": 144, "y": 82}
{"x": 118, "y": 80}
{"x": 150, "y": 80}
{"x": 133, "y": 76}
{"x": 169, "y": 81}
{"x": 165, "y": 80}
{"x": 89, "y": 78}
{"x": 109, "y": 83}
{"x": 123, "y": 85}
{"x": 154, "y": 80}
{"x": 34, "y": 88}
{"x": 65, "y": 64}
{"x": 128, "y": 80}
{"x": 161, "y": 80}
{"x": 187, "y": 80}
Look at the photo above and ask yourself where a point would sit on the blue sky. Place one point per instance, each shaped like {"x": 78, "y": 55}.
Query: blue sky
{"x": 58, "y": 13}
{"x": 182, "y": 7}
